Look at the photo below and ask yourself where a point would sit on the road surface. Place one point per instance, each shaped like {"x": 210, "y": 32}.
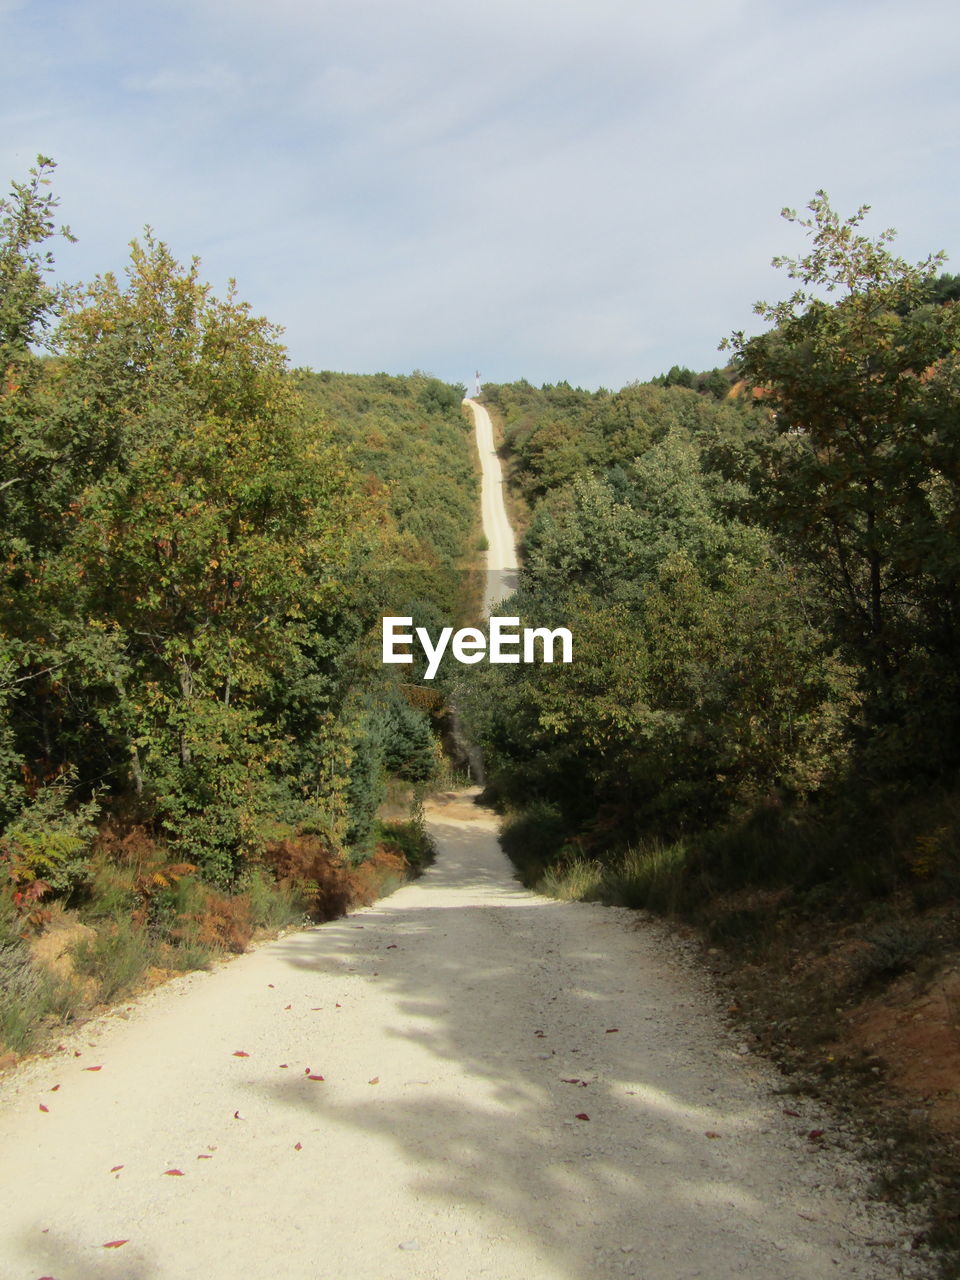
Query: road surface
{"x": 464, "y": 1029}
{"x": 502, "y": 562}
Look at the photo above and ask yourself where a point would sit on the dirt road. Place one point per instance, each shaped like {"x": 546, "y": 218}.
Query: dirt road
{"x": 502, "y": 562}
{"x": 452, "y": 1025}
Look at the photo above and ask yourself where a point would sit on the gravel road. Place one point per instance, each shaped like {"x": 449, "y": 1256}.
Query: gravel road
{"x": 502, "y": 562}
{"x": 463, "y": 1029}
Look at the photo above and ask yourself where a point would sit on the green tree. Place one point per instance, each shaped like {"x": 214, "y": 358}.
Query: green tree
{"x": 860, "y": 474}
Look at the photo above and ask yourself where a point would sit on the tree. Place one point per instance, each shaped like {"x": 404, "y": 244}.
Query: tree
{"x": 861, "y": 473}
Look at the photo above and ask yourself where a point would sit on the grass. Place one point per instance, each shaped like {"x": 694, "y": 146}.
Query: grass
{"x": 650, "y": 876}
{"x": 116, "y": 958}
{"x": 30, "y": 998}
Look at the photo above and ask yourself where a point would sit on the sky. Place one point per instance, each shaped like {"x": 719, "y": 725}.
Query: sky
{"x": 580, "y": 190}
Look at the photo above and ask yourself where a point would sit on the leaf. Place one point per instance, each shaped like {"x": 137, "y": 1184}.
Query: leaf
{"x": 375, "y": 1080}
{"x": 115, "y": 1244}
{"x": 286, "y": 1007}
{"x": 312, "y": 1077}
{"x": 611, "y": 1030}
{"x": 43, "y": 1108}
{"x": 392, "y": 946}
{"x": 100, "y": 1068}
{"x": 238, "y": 1116}
{"x": 54, "y": 1088}
{"x": 711, "y": 1134}
{"x": 582, "y": 1115}
{"x": 284, "y": 1066}
{"x": 116, "y": 1168}
{"x": 204, "y": 1156}
{"x": 239, "y": 1053}
{"x": 298, "y": 1146}
{"x": 814, "y": 1134}
{"x": 788, "y": 1112}
{"x": 173, "y": 1173}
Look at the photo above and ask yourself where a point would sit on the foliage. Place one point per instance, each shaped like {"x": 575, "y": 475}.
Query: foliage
{"x": 858, "y": 475}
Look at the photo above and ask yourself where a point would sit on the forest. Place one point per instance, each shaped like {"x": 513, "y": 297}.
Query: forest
{"x": 198, "y": 544}
{"x": 761, "y": 579}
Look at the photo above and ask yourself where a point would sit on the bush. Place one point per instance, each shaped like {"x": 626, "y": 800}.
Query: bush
{"x": 29, "y": 997}
{"x": 117, "y": 958}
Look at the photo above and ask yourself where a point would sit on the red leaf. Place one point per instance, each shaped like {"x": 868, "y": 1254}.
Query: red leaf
{"x": 298, "y": 1146}
{"x": 269, "y": 984}
{"x": 116, "y": 1168}
{"x": 317, "y": 1008}
{"x": 202, "y": 1156}
{"x": 239, "y": 1053}
{"x": 43, "y": 1108}
{"x": 375, "y": 1080}
{"x": 115, "y": 1244}
{"x": 814, "y": 1134}
{"x": 173, "y": 1173}
{"x": 100, "y": 1068}
{"x": 788, "y": 1112}
{"x": 284, "y": 1066}
{"x": 286, "y": 1007}
{"x": 310, "y": 1077}
{"x": 77, "y": 1054}
{"x": 582, "y": 1115}
{"x": 339, "y": 1005}
{"x": 610, "y": 1030}
{"x": 54, "y": 1088}
{"x": 392, "y": 946}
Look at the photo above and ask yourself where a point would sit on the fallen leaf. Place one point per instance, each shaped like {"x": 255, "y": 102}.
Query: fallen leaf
{"x": 571, "y": 1080}
{"x": 375, "y": 1080}
{"x": 54, "y": 1088}
{"x": 238, "y": 1116}
{"x": 313, "y": 1077}
{"x": 286, "y": 1007}
{"x": 582, "y": 1115}
{"x": 284, "y": 1066}
{"x": 392, "y": 946}
{"x": 116, "y": 1168}
{"x": 115, "y": 1244}
{"x": 339, "y": 1005}
{"x": 788, "y": 1112}
{"x": 100, "y": 1068}
{"x": 317, "y": 1008}
{"x": 710, "y": 1134}
{"x": 77, "y": 1053}
{"x": 239, "y": 1053}
{"x": 173, "y": 1173}
{"x": 298, "y": 1146}
{"x": 814, "y": 1134}
{"x": 610, "y": 1030}
{"x": 204, "y": 1156}
{"x": 43, "y": 1108}
{"x": 269, "y": 984}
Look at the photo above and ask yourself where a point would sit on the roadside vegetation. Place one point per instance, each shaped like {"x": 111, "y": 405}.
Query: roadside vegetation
{"x": 760, "y": 731}
{"x": 196, "y": 547}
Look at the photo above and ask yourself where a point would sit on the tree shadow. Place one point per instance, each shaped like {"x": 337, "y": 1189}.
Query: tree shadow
{"x": 547, "y": 1016}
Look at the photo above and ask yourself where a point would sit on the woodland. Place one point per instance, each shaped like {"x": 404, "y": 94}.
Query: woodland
{"x": 198, "y": 544}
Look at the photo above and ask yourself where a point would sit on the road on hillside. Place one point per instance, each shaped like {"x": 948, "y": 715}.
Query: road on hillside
{"x": 502, "y": 562}
{"x": 463, "y": 1081}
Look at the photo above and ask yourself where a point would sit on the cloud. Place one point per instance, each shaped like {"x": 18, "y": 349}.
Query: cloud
{"x": 555, "y": 190}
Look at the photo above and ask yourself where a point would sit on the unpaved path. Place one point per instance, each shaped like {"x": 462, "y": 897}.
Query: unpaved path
{"x": 443, "y": 1140}
{"x": 502, "y": 562}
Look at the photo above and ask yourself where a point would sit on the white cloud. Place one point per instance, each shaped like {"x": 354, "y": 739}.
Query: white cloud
{"x": 555, "y": 189}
